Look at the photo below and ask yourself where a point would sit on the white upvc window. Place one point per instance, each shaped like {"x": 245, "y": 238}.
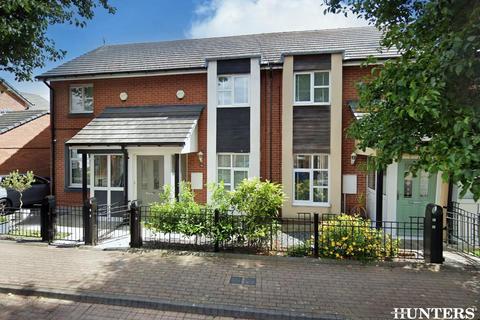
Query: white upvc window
{"x": 75, "y": 169}
{"x": 81, "y": 98}
{"x": 233, "y": 90}
{"x": 312, "y": 88}
{"x": 232, "y": 168}
{"x": 311, "y": 179}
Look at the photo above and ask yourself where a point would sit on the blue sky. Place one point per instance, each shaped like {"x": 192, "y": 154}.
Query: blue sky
{"x": 157, "y": 20}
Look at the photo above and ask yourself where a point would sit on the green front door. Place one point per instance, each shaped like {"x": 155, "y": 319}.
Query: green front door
{"x": 413, "y": 193}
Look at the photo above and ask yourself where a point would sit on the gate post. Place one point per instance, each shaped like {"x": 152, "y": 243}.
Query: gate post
{"x": 135, "y": 227}
{"x": 315, "y": 235}
{"x": 433, "y": 234}
{"x": 216, "y": 220}
{"x": 90, "y": 222}
{"x": 47, "y": 219}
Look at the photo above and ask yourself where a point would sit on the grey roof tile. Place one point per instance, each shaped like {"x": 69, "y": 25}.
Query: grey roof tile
{"x": 159, "y": 125}
{"x": 37, "y": 101}
{"x": 356, "y": 43}
{"x": 12, "y": 119}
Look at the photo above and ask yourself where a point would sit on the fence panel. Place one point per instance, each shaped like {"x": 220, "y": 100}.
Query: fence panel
{"x": 463, "y": 230}
{"x": 68, "y": 224}
{"x": 113, "y": 222}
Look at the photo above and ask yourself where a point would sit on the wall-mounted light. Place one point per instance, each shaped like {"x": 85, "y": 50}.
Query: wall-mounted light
{"x": 180, "y": 94}
{"x": 200, "y": 158}
{"x": 353, "y": 158}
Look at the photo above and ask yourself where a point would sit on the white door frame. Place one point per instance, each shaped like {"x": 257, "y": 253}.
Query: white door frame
{"x": 108, "y": 188}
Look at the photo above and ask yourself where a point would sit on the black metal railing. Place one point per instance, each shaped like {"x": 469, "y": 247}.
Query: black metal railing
{"x": 207, "y": 230}
{"x": 68, "y": 224}
{"x": 20, "y": 222}
{"x": 463, "y": 230}
{"x": 112, "y": 221}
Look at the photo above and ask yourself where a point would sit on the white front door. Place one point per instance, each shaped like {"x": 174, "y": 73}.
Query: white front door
{"x": 150, "y": 178}
{"x": 107, "y": 179}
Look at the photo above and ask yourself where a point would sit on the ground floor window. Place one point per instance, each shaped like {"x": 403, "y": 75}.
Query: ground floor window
{"x": 232, "y": 168}
{"x": 75, "y": 169}
{"x": 311, "y": 178}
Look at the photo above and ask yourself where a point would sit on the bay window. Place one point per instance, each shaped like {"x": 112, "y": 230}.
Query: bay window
{"x": 232, "y": 168}
{"x": 312, "y": 87}
{"x": 311, "y": 179}
{"x": 233, "y": 90}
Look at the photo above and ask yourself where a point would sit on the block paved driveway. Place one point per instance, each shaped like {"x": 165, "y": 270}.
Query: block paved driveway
{"x": 298, "y": 285}
{"x": 17, "y": 307}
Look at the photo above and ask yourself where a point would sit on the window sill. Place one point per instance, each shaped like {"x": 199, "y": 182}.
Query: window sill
{"x": 234, "y": 106}
{"x": 309, "y": 104}
{"x": 80, "y": 114}
{"x": 74, "y": 189}
{"x": 311, "y": 204}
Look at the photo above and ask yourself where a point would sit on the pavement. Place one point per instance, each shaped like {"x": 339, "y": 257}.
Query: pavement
{"x": 233, "y": 285}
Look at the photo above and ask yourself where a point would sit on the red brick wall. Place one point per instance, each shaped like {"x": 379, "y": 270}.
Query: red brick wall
{"x": 143, "y": 91}
{"x": 351, "y": 75}
{"x": 10, "y": 101}
{"x": 27, "y": 147}
{"x": 271, "y": 117}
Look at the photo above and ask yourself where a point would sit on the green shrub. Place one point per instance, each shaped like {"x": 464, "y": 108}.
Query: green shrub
{"x": 352, "y": 237}
{"x": 300, "y": 250}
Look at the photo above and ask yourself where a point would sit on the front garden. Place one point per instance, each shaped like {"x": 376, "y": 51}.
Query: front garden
{"x": 248, "y": 219}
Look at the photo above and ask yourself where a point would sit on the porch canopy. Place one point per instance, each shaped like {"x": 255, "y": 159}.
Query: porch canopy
{"x": 173, "y": 125}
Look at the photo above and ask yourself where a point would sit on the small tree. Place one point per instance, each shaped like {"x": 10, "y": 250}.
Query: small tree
{"x": 18, "y": 182}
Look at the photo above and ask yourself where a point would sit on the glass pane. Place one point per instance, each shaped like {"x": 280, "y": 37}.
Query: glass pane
{"x": 320, "y": 162}
{"x": 240, "y": 161}
{"x": 224, "y": 175}
{"x": 320, "y": 178}
{"x": 239, "y": 176}
{"x": 301, "y": 161}
{"x": 302, "y": 87}
{"x": 76, "y": 100}
{"x": 100, "y": 171}
{"x": 224, "y": 83}
{"x": 241, "y": 90}
{"x": 320, "y": 95}
{"x": 424, "y": 179}
{"x": 371, "y": 179}
{"x": 76, "y": 168}
{"x": 224, "y": 161}
{"x": 224, "y": 98}
{"x": 320, "y": 195}
{"x": 407, "y": 185}
{"x": 156, "y": 174}
{"x": 116, "y": 169}
{"x": 302, "y": 186}
{"x": 321, "y": 79}
{"x": 88, "y": 105}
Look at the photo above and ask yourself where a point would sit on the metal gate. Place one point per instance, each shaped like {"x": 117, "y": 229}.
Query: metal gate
{"x": 463, "y": 230}
{"x": 113, "y": 223}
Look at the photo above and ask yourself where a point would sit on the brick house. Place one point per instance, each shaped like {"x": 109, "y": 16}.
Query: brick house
{"x": 129, "y": 119}
{"x": 24, "y": 132}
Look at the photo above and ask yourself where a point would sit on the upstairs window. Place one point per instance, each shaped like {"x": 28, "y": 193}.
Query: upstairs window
{"x": 81, "y": 99}
{"x": 312, "y": 87}
{"x": 233, "y": 91}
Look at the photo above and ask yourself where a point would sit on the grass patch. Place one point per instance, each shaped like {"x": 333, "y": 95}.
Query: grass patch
{"x": 36, "y": 234}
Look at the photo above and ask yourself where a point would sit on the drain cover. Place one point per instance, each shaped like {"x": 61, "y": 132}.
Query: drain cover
{"x": 242, "y": 280}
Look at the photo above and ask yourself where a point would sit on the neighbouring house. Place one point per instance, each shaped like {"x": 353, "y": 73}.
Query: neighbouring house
{"x": 129, "y": 119}
{"x": 24, "y": 132}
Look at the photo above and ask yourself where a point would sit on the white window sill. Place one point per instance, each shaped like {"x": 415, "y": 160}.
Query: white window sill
{"x": 308, "y": 104}
{"x": 311, "y": 204}
{"x": 234, "y": 106}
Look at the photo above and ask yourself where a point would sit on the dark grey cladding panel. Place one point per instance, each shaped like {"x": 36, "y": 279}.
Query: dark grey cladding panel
{"x": 311, "y": 129}
{"x": 312, "y": 62}
{"x": 233, "y": 130}
{"x": 233, "y": 66}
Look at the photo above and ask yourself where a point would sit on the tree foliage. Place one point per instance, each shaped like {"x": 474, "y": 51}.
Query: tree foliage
{"x": 425, "y": 102}
{"x": 24, "y": 43}
{"x": 18, "y": 182}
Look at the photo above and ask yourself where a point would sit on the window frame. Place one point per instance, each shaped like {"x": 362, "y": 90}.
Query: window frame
{"x": 232, "y": 168}
{"x": 232, "y": 90}
{"x": 81, "y": 86}
{"x": 311, "y": 172}
{"x": 312, "y": 102}
{"x": 70, "y": 175}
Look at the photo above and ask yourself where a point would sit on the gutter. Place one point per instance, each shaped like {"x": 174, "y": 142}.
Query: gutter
{"x": 53, "y": 138}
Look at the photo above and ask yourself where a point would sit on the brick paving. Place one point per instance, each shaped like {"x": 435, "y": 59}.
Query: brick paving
{"x": 283, "y": 285}
{"x": 27, "y": 308}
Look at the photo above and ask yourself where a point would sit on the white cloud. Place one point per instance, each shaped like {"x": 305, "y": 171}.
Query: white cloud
{"x": 234, "y": 17}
